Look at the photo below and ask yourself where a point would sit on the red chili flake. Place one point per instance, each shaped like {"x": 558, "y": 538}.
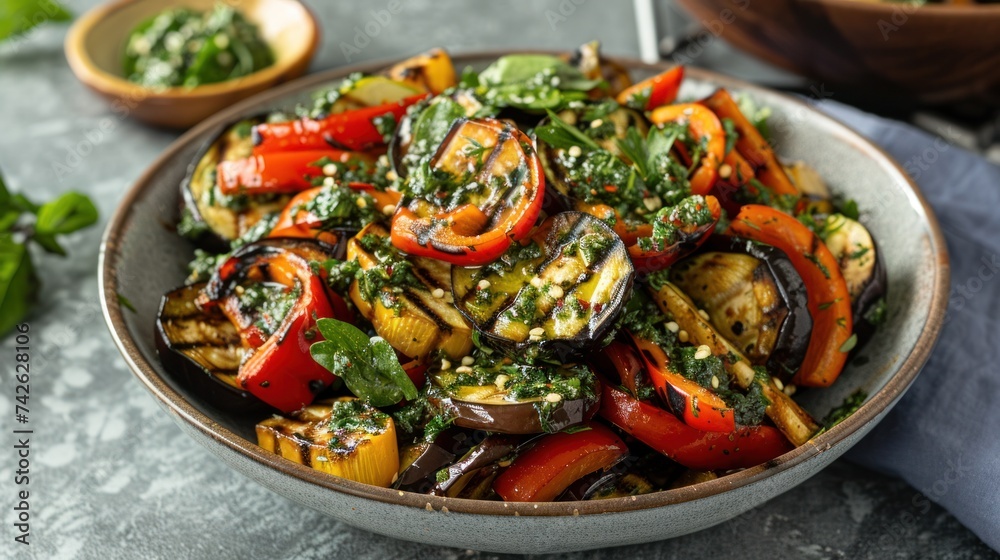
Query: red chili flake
{"x": 388, "y": 270}
{"x": 610, "y": 188}
{"x": 583, "y": 303}
{"x": 598, "y": 307}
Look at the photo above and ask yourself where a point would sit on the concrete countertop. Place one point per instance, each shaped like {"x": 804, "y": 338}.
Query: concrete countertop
{"x": 113, "y": 477}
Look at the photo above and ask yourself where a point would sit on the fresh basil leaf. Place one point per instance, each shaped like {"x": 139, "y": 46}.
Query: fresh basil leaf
{"x": 18, "y": 283}
{"x": 387, "y": 364}
{"x": 369, "y": 369}
{"x": 534, "y": 68}
{"x": 20, "y": 16}
{"x": 48, "y": 242}
{"x": 68, "y": 213}
{"x": 433, "y": 124}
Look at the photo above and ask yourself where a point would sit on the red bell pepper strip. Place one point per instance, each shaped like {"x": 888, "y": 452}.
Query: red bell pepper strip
{"x": 744, "y": 447}
{"x": 471, "y": 234}
{"x": 697, "y": 406}
{"x": 703, "y": 128}
{"x": 751, "y": 144}
{"x": 279, "y": 369}
{"x": 689, "y": 236}
{"x": 297, "y": 222}
{"x": 826, "y": 291}
{"x": 351, "y": 130}
{"x": 625, "y": 362}
{"x": 285, "y": 172}
{"x": 659, "y": 90}
{"x": 543, "y": 472}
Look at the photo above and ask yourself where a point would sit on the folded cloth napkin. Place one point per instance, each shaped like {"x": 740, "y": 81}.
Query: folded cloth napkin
{"x": 942, "y": 437}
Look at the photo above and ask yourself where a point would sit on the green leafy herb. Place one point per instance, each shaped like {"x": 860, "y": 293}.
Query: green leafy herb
{"x": 532, "y": 81}
{"x": 23, "y": 222}
{"x": 369, "y": 367}
{"x": 850, "y": 406}
{"x": 560, "y": 134}
{"x": 17, "y": 17}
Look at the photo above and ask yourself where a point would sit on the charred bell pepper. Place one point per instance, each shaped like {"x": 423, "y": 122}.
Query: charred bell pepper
{"x": 697, "y": 406}
{"x": 695, "y": 449}
{"x": 828, "y": 298}
{"x": 541, "y": 473}
{"x": 675, "y": 232}
{"x": 751, "y": 144}
{"x": 484, "y": 191}
{"x": 356, "y": 130}
{"x": 283, "y": 172}
{"x": 278, "y": 330}
{"x": 301, "y": 220}
{"x": 705, "y": 130}
{"x": 653, "y": 92}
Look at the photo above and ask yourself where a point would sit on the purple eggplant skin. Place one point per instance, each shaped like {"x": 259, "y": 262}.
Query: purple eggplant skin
{"x": 874, "y": 292}
{"x": 179, "y": 358}
{"x": 491, "y": 450}
{"x": 793, "y": 336}
{"x": 520, "y": 418}
{"x": 447, "y": 446}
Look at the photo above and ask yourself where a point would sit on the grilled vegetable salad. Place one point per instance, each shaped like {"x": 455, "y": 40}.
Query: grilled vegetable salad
{"x": 536, "y": 282}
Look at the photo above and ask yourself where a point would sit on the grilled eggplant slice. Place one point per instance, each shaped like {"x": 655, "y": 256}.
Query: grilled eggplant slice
{"x": 420, "y": 462}
{"x": 754, "y": 297}
{"x": 556, "y": 295}
{"x": 349, "y": 439}
{"x": 863, "y": 269}
{"x": 407, "y": 299}
{"x": 210, "y": 218}
{"x": 516, "y": 399}
{"x": 455, "y": 478}
{"x": 204, "y": 349}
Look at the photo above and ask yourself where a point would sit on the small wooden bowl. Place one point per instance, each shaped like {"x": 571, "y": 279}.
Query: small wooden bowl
{"x": 95, "y": 49}
{"x": 934, "y": 53}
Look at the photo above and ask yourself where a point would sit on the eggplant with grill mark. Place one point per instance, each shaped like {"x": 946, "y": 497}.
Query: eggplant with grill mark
{"x": 209, "y": 218}
{"x": 204, "y": 350}
{"x": 863, "y": 268}
{"x": 556, "y": 295}
{"x": 754, "y": 297}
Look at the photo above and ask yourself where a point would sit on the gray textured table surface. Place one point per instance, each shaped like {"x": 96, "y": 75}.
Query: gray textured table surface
{"x": 112, "y": 477}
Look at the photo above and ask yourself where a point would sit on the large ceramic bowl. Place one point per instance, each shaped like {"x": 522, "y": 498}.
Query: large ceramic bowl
{"x": 141, "y": 258}
{"x": 934, "y": 53}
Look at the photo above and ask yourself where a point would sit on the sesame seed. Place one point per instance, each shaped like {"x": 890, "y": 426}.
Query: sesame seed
{"x": 329, "y": 182}
{"x": 553, "y": 397}
{"x": 725, "y": 170}
{"x": 362, "y": 203}
{"x": 778, "y": 383}
{"x": 574, "y": 151}
{"x": 682, "y": 335}
{"x": 329, "y": 170}
{"x": 391, "y": 176}
{"x": 438, "y": 293}
{"x": 703, "y": 314}
{"x": 463, "y": 369}
{"x": 715, "y": 382}
{"x": 596, "y": 123}
{"x": 321, "y": 458}
{"x": 468, "y": 361}
{"x": 240, "y": 290}
{"x": 536, "y": 282}
{"x": 673, "y": 327}
{"x": 593, "y": 192}
{"x": 790, "y": 390}
{"x": 652, "y": 203}
{"x": 702, "y": 352}
{"x": 501, "y": 381}
{"x": 556, "y": 292}
{"x": 383, "y": 159}
{"x": 445, "y": 365}
{"x": 388, "y": 209}
{"x": 537, "y": 331}
{"x": 375, "y": 339}
{"x": 483, "y": 284}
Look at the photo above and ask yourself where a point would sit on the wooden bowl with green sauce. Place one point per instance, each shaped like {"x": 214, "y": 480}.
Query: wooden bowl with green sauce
{"x": 232, "y": 52}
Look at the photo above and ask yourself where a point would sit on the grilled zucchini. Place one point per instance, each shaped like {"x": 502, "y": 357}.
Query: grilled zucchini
{"x": 349, "y": 439}
{"x": 407, "y": 299}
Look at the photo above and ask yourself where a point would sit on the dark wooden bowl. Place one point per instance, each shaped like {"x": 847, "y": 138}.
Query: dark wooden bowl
{"x": 930, "y": 54}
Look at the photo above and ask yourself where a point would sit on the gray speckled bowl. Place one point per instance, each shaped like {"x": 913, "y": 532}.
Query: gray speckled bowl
{"x": 141, "y": 258}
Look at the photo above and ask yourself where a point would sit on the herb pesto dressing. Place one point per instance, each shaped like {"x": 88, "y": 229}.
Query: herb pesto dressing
{"x": 186, "y": 48}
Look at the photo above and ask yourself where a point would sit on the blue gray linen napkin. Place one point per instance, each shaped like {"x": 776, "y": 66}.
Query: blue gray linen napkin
{"x": 944, "y": 435}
